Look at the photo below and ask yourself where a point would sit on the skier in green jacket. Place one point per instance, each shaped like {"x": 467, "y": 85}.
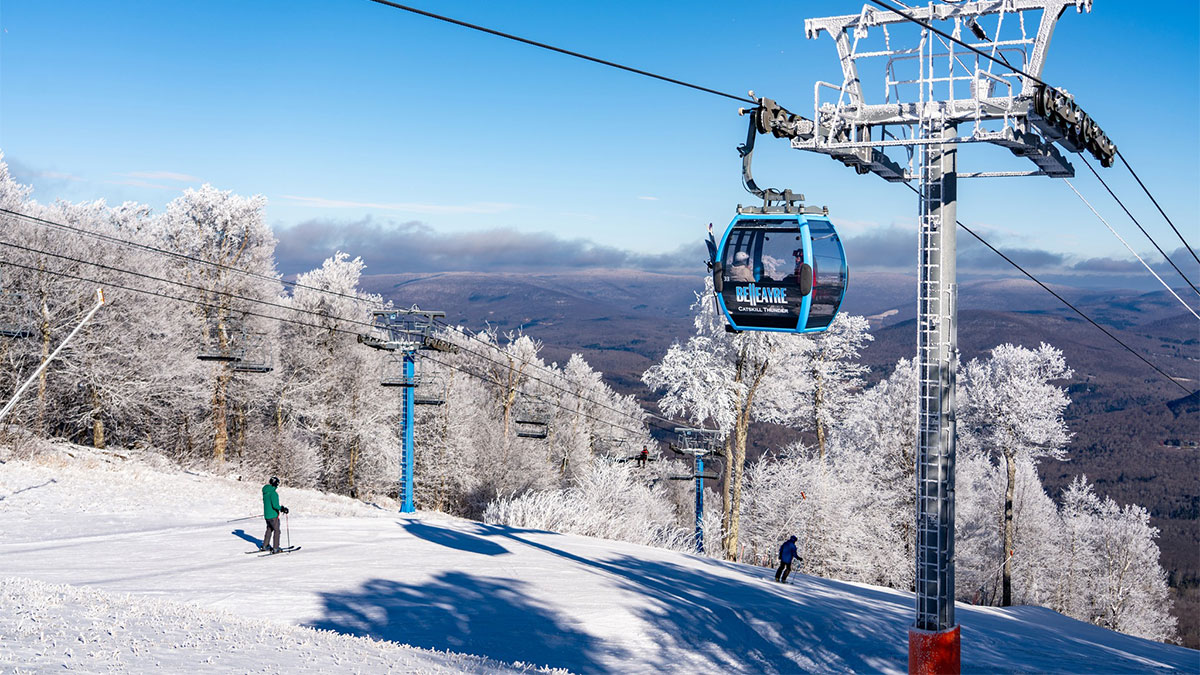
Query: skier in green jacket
{"x": 271, "y": 511}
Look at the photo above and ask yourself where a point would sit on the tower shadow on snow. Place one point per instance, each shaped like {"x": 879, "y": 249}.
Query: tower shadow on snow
{"x": 464, "y": 613}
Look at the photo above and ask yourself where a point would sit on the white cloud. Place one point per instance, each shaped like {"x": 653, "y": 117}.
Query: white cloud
{"x": 163, "y": 175}
{"x": 139, "y": 183}
{"x": 408, "y": 207}
{"x": 57, "y": 175}
{"x": 649, "y": 199}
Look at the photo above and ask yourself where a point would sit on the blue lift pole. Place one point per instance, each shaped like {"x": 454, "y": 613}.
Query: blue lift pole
{"x": 406, "y": 430}
{"x": 699, "y": 503}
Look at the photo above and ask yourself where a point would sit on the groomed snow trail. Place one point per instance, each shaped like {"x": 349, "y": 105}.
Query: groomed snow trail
{"x": 436, "y": 582}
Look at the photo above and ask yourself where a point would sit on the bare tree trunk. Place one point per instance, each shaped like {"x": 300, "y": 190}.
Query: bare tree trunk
{"x": 738, "y": 461}
{"x": 40, "y": 425}
{"x": 97, "y": 421}
{"x": 726, "y": 490}
{"x": 354, "y": 446}
{"x": 220, "y": 421}
{"x": 818, "y": 404}
{"x": 1007, "y": 537}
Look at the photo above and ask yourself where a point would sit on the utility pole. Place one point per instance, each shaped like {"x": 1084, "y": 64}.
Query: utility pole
{"x": 402, "y": 333}
{"x": 939, "y": 97}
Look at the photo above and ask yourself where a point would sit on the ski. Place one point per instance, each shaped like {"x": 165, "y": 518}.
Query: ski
{"x": 262, "y": 554}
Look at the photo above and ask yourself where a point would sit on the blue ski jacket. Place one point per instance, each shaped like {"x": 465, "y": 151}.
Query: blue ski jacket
{"x": 787, "y": 552}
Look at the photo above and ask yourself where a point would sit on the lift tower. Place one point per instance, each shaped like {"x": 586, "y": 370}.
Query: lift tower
{"x": 403, "y": 332}
{"x": 940, "y": 97}
{"x": 699, "y": 443}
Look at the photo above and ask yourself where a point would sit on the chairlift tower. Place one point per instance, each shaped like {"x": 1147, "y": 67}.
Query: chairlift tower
{"x": 404, "y": 332}
{"x": 698, "y": 443}
{"x": 938, "y": 98}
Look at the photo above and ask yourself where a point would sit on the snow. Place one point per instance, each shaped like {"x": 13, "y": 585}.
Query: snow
{"x": 130, "y": 565}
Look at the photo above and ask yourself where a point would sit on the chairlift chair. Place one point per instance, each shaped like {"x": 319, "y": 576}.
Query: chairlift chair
{"x": 17, "y": 318}
{"x": 223, "y": 340}
{"x": 394, "y": 375}
{"x": 429, "y": 390}
{"x": 256, "y": 355}
{"x": 532, "y": 418}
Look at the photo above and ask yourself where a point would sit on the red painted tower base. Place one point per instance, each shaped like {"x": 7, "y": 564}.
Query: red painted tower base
{"x": 934, "y": 652}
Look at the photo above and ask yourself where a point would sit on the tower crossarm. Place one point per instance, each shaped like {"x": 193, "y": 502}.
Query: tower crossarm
{"x": 844, "y": 28}
{"x": 973, "y": 65}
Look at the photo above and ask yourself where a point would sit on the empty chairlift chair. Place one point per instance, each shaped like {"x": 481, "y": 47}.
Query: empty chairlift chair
{"x": 393, "y": 373}
{"x": 256, "y": 355}
{"x": 531, "y": 418}
{"x": 430, "y": 389}
{"x": 223, "y": 340}
{"x": 17, "y": 316}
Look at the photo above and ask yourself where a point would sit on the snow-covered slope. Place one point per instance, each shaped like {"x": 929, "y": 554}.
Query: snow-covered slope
{"x": 149, "y": 550}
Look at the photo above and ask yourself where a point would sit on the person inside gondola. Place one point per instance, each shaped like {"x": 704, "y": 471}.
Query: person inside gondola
{"x": 793, "y": 276}
{"x": 741, "y": 272}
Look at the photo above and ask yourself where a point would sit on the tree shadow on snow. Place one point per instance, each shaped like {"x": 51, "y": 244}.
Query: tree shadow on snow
{"x": 451, "y": 538}
{"x": 31, "y": 487}
{"x": 742, "y": 621}
{"x": 748, "y": 623}
{"x": 464, "y": 613}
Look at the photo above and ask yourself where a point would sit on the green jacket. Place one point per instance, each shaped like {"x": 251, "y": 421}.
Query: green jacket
{"x": 270, "y": 502}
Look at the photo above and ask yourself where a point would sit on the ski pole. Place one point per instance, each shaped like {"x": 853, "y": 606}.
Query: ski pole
{"x": 237, "y": 519}
{"x": 288, "y": 524}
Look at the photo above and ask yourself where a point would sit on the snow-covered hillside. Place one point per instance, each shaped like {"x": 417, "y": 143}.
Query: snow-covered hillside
{"x": 158, "y": 577}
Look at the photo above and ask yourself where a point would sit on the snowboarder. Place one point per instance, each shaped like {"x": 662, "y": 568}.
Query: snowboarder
{"x": 787, "y": 553}
{"x": 642, "y": 457}
{"x": 271, "y": 511}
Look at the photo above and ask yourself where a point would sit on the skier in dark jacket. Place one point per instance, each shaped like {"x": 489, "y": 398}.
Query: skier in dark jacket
{"x": 271, "y": 511}
{"x": 787, "y": 553}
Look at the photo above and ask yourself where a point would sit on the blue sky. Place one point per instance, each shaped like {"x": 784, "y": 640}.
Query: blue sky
{"x": 367, "y": 124}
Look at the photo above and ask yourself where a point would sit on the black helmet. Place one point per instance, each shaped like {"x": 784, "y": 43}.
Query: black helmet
{"x": 274, "y": 481}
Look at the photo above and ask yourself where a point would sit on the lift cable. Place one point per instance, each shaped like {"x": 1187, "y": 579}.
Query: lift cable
{"x": 228, "y": 294}
{"x": 560, "y": 50}
{"x": 190, "y": 301}
{"x": 1130, "y": 248}
{"x": 1064, "y": 301}
{"x": 1160, "y": 208}
{"x": 201, "y": 303}
{"x": 544, "y": 399}
{"x": 176, "y": 255}
{"x": 298, "y": 310}
{"x": 1139, "y": 225}
{"x": 475, "y": 337}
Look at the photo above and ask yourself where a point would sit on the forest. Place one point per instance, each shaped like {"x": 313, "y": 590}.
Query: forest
{"x": 304, "y": 400}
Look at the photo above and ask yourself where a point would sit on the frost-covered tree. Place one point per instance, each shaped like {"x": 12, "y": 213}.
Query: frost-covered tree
{"x": 728, "y": 380}
{"x": 1013, "y": 411}
{"x": 611, "y": 500}
{"x": 328, "y": 385}
{"x": 229, "y": 234}
{"x": 1109, "y": 570}
{"x": 877, "y": 435}
{"x": 818, "y": 399}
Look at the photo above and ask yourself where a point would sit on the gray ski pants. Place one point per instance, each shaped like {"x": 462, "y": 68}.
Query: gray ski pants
{"x": 272, "y": 525}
